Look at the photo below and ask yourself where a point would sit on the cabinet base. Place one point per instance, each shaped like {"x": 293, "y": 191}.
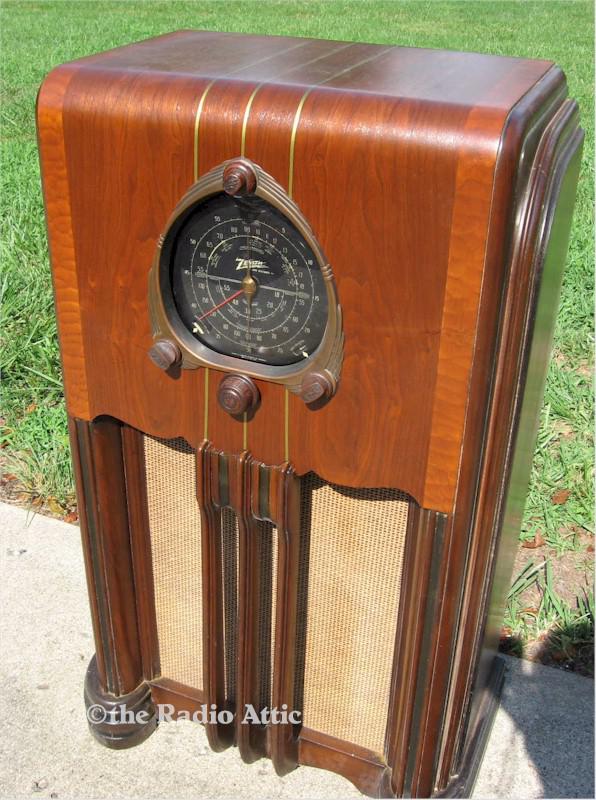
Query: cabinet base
{"x": 118, "y": 722}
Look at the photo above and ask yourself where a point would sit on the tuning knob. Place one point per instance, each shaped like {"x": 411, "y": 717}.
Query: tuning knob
{"x": 237, "y": 394}
{"x": 165, "y": 354}
{"x": 316, "y": 386}
{"x": 239, "y": 177}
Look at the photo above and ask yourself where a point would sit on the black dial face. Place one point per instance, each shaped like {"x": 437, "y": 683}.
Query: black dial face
{"x": 246, "y": 283}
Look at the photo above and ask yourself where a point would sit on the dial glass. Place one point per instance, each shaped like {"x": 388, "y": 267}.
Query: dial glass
{"x": 246, "y": 282}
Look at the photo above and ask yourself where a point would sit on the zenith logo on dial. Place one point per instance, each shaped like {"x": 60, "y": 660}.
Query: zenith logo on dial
{"x": 251, "y": 263}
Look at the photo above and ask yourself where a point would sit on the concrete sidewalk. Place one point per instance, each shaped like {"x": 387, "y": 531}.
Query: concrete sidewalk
{"x": 541, "y": 744}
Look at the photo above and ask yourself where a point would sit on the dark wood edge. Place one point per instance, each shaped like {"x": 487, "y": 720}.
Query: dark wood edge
{"x": 462, "y": 784}
{"x": 560, "y": 143}
{"x": 219, "y": 735}
{"x": 250, "y": 739}
{"x": 284, "y": 500}
{"x": 360, "y": 766}
{"x": 182, "y": 699}
{"x": 142, "y": 562}
{"x": 106, "y": 541}
{"x": 519, "y": 142}
{"x": 443, "y": 530}
{"x": 530, "y": 115}
{"x": 80, "y": 448}
{"x": 557, "y": 144}
{"x": 119, "y": 721}
{"x": 422, "y": 549}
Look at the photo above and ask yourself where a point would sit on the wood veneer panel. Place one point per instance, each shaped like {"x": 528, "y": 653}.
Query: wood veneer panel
{"x": 113, "y": 255}
{"x": 392, "y": 324}
{"x": 60, "y": 237}
{"x": 414, "y": 361}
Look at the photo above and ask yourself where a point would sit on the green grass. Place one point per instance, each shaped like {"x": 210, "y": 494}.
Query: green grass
{"x": 38, "y": 35}
{"x": 543, "y": 626}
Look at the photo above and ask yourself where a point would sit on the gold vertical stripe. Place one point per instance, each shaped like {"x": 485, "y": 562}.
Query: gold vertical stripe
{"x": 242, "y": 153}
{"x": 196, "y": 177}
{"x": 245, "y": 120}
{"x": 287, "y": 426}
{"x": 197, "y": 122}
{"x": 293, "y": 141}
{"x": 295, "y": 124}
{"x": 206, "y": 413}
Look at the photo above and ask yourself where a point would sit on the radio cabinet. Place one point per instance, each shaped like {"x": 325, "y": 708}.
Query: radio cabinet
{"x": 305, "y": 295}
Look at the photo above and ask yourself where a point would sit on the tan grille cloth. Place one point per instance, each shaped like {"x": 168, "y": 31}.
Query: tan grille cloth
{"x": 356, "y": 553}
{"x": 175, "y": 528}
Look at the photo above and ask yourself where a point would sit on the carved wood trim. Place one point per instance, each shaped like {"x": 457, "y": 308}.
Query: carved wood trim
{"x": 136, "y": 492}
{"x": 284, "y": 499}
{"x": 250, "y": 739}
{"x": 559, "y": 146}
{"x": 219, "y": 735}
{"x": 422, "y": 556}
{"x": 99, "y": 470}
{"x": 360, "y": 766}
{"x": 167, "y": 692}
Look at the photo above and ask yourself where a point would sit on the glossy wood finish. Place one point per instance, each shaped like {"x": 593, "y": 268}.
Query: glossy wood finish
{"x": 467, "y": 546}
{"x": 140, "y": 545}
{"x": 431, "y": 181}
{"x": 210, "y": 502}
{"x": 104, "y": 527}
{"x": 413, "y": 366}
{"x": 360, "y": 766}
{"x": 285, "y": 514}
{"x": 60, "y": 237}
{"x": 539, "y": 250}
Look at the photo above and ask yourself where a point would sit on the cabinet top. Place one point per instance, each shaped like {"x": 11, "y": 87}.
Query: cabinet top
{"x": 436, "y": 76}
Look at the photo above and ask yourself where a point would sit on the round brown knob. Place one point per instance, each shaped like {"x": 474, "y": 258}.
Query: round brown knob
{"x": 239, "y": 177}
{"x": 237, "y": 394}
{"x": 165, "y": 354}
{"x": 316, "y": 386}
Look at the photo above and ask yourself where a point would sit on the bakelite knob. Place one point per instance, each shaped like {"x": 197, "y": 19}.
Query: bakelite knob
{"x": 165, "y": 354}
{"x": 237, "y": 394}
{"x": 316, "y": 386}
{"x": 239, "y": 177}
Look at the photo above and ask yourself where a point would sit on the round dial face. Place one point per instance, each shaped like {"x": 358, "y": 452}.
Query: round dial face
{"x": 246, "y": 283}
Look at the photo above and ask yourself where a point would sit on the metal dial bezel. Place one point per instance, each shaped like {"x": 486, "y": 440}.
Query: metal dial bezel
{"x": 166, "y": 323}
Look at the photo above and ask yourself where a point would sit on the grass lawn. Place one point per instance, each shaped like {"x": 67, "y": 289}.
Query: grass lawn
{"x": 550, "y": 616}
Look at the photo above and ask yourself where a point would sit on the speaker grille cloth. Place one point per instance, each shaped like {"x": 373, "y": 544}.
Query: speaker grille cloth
{"x": 354, "y": 569}
{"x": 175, "y": 531}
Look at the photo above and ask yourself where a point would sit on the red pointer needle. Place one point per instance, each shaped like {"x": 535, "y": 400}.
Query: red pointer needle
{"x": 219, "y": 305}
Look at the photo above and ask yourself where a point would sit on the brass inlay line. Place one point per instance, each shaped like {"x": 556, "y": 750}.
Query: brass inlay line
{"x": 295, "y": 124}
{"x": 293, "y": 141}
{"x": 303, "y": 100}
{"x": 227, "y": 75}
{"x": 245, "y": 120}
{"x": 287, "y": 426}
{"x": 243, "y": 153}
{"x": 290, "y": 176}
{"x": 206, "y": 399}
{"x": 197, "y": 121}
{"x": 293, "y": 69}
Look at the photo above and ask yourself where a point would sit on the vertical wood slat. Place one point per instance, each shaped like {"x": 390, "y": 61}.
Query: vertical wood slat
{"x": 284, "y": 499}
{"x": 250, "y": 738}
{"x": 219, "y": 735}
{"x": 416, "y": 592}
{"x": 136, "y": 491}
{"x": 99, "y": 470}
